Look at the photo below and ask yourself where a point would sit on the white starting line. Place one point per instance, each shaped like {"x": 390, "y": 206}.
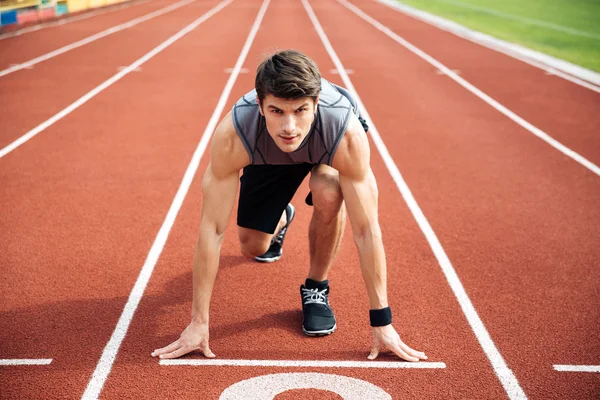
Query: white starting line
{"x": 25, "y": 361}
{"x": 303, "y": 363}
{"x": 577, "y": 368}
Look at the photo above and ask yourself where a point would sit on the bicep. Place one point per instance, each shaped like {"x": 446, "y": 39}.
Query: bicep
{"x": 220, "y": 183}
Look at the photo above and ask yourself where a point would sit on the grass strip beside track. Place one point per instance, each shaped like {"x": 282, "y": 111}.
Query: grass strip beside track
{"x": 565, "y": 29}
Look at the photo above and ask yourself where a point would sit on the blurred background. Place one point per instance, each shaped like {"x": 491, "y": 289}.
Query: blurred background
{"x": 566, "y": 29}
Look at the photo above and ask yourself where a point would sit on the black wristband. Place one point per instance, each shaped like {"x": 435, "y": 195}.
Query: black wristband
{"x": 381, "y": 317}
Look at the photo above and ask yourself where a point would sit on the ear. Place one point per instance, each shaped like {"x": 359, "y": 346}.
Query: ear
{"x": 260, "y": 110}
{"x": 316, "y": 104}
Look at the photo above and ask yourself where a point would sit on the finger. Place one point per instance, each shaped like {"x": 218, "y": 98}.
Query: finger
{"x": 177, "y": 353}
{"x": 167, "y": 349}
{"x": 402, "y": 354}
{"x": 410, "y": 351}
{"x": 374, "y": 353}
{"x": 208, "y": 353}
{"x": 206, "y": 350}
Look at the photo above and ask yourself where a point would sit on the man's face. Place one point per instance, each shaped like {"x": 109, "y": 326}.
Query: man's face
{"x": 288, "y": 121}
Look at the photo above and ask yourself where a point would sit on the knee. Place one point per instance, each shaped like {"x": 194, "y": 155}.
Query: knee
{"x": 327, "y": 194}
{"x": 253, "y": 246}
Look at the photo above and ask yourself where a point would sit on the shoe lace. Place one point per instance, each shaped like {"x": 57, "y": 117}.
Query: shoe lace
{"x": 278, "y": 238}
{"x": 314, "y": 296}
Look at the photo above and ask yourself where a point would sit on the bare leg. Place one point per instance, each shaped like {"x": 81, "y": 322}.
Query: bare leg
{"x": 328, "y": 221}
{"x": 254, "y": 243}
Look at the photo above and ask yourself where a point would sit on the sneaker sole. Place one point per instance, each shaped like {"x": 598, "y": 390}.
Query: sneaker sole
{"x": 319, "y": 333}
{"x": 267, "y": 260}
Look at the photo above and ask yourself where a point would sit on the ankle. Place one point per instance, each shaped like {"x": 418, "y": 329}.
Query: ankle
{"x": 282, "y": 222}
{"x": 314, "y": 284}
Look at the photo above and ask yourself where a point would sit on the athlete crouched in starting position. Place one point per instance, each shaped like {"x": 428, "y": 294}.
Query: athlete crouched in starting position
{"x": 293, "y": 123}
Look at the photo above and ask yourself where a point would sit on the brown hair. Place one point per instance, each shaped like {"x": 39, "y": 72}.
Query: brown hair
{"x": 288, "y": 74}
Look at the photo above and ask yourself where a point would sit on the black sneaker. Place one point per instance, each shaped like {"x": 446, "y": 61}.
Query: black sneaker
{"x": 318, "y": 318}
{"x": 276, "y": 249}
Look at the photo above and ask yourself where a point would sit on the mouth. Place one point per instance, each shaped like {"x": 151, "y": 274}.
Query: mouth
{"x": 288, "y": 139}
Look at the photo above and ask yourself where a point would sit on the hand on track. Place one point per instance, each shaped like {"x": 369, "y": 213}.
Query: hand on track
{"x": 194, "y": 337}
{"x": 387, "y": 337}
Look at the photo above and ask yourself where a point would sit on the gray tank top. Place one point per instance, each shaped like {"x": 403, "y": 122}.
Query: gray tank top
{"x": 318, "y": 147}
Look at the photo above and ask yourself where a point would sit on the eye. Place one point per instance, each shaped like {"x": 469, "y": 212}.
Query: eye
{"x": 301, "y": 110}
{"x": 275, "y": 111}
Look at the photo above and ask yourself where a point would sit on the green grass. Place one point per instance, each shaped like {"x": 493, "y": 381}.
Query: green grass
{"x": 580, "y": 15}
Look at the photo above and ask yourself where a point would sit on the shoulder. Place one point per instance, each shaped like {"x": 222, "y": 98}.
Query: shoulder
{"x": 333, "y": 96}
{"x": 227, "y": 153}
{"x": 352, "y": 157}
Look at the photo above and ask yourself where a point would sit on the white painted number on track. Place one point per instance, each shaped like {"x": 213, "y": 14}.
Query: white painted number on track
{"x": 266, "y": 387}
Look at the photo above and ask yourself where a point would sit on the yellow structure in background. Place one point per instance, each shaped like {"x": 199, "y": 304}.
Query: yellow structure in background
{"x": 17, "y": 4}
{"x": 78, "y": 5}
{"x": 18, "y": 12}
{"x": 96, "y": 3}
{"x": 72, "y": 5}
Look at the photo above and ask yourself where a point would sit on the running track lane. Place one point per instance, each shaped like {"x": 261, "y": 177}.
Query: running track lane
{"x": 255, "y": 308}
{"x": 35, "y": 26}
{"x": 411, "y": 250}
{"x": 82, "y": 204}
{"x": 22, "y": 48}
{"x": 564, "y": 110}
{"x": 30, "y": 97}
{"x": 516, "y": 218}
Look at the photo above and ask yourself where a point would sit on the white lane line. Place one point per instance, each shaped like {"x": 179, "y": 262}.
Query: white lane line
{"x": 577, "y": 368}
{"x": 304, "y": 363}
{"x": 89, "y": 95}
{"x": 456, "y": 71}
{"x": 25, "y": 361}
{"x": 122, "y": 67}
{"x": 471, "y": 88}
{"x": 66, "y": 20}
{"x": 242, "y": 71}
{"x": 105, "y": 363}
{"x": 99, "y": 35}
{"x": 503, "y": 372}
{"x": 335, "y": 71}
{"x": 14, "y": 65}
{"x": 526, "y": 20}
{"x": 573, "y": 73}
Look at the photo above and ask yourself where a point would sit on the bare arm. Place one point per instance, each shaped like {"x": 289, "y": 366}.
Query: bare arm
{"x": 359, "y": 189}
{"x": 360, "y": 193}
{"x": 219, "y": 189}
{"x": 218, "y": 196}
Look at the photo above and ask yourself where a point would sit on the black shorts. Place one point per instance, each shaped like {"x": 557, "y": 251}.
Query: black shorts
{"x": 265, "y": 192}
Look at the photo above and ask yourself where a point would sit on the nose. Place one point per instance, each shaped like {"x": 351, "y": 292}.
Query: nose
{"x": 289, "y": 125}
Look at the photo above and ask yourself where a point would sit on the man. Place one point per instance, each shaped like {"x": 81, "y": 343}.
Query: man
{"x": 292, "y": 124}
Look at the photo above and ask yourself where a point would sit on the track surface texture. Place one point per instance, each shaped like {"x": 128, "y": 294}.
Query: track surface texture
{"x": 83, "y": 200}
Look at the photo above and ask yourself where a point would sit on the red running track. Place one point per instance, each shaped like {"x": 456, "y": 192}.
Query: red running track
{"x": 83, "y": 201}
{"x": 31, "y": 97}
{"x": 33, "y": 44}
